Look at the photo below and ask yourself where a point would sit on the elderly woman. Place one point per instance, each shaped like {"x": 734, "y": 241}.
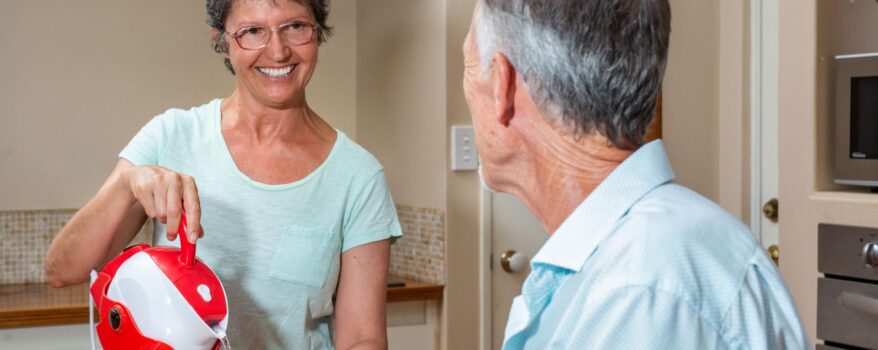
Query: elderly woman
{"x": 292, "y": 212}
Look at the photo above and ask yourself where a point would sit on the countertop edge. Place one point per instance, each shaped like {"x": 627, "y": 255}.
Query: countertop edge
{"x": 72, "y": 313}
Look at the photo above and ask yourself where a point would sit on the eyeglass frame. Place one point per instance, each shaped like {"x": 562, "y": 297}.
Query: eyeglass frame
{"x": 236, "y": 35}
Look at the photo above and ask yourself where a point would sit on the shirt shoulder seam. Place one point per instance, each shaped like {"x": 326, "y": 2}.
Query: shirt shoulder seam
{"x": 743, "y": 278}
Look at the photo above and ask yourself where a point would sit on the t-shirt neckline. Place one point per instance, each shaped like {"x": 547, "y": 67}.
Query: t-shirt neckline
{"x": 227, "y": 154}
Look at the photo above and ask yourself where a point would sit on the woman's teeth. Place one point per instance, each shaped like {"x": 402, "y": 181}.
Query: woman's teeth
{"x": 276, "y": 72}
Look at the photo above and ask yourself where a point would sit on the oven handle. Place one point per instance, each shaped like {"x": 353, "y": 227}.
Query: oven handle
{"x": 859, "y": 303}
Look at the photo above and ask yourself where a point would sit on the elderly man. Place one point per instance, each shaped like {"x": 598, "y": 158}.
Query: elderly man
{"x": 561, "y": 94}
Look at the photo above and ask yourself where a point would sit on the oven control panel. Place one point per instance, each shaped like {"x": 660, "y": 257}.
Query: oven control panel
{"x": 847, "y": 295}
{"x": 870, "y": 254}
{"x": 848, "y": 251}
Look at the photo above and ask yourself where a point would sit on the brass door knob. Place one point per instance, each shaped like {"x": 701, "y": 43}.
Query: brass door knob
{"x": 774, "y": 253}
{"x": 512, "y": 261}
{"x": 771, "y": 210}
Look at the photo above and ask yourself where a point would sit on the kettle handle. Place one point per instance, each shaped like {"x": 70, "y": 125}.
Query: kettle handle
{"x": 187, "y": 250}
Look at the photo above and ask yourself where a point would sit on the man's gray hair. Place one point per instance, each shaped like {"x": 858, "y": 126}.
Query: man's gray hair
{"x": 590, "y": 65}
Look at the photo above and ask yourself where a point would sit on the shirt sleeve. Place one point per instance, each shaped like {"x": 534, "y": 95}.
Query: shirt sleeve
{"x": 147, "y": 146}
{"x": 762, "y": 314}
{"x": 373, "y": 215}
{"x": 636, "y": 317}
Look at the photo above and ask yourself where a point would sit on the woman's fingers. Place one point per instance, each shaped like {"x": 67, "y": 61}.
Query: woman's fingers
{"x": 164, "y": 194}
{"x": 193, "y": 209}
{"x": 160, "y": 184}
{"x": 174, "y": 206}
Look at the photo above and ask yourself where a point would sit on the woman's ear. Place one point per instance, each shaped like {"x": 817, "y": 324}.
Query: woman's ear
{"x": 503, "y": 79}
{"x": 218, "y": 42}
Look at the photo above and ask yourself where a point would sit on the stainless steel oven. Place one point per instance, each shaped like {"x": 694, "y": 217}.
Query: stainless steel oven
{"x": 847, "y": 294}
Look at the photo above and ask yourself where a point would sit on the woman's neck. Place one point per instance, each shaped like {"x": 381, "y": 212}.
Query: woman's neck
{"x": 244, "y": 115}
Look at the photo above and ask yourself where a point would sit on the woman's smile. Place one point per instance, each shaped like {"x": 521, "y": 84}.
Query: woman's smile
{"x": 277, "y": 72}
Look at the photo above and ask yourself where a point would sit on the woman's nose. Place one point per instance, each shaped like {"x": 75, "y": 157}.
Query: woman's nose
{"x": 276, "y": 49}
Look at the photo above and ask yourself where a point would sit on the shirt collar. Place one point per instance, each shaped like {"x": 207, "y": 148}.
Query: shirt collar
{"x": 595, "y": 218}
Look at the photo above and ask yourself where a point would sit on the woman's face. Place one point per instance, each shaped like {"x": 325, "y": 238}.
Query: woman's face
{"x": 275, "y": 75}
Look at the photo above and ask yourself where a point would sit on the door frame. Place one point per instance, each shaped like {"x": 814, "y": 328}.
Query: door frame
{"x": 757, "y": 115}
{"x": 486, "y": 236}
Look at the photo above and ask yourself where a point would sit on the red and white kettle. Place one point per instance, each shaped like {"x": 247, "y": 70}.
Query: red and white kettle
{"x": 160, "y": 298}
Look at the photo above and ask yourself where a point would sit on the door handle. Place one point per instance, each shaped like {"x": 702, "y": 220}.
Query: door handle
{"x": 859, "y": 303}
{"x": 771, "y": 210}
{"x": 774, "y": 253}
{"x": 514, "y": 262}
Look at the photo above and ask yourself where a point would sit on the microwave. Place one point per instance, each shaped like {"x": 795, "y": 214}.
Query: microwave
{"x": 856, "y": 120}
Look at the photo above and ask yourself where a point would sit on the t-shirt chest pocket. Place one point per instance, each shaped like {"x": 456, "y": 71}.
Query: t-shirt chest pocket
{"x": 304, "y": 255}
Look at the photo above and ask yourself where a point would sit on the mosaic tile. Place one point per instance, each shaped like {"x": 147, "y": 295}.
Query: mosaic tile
{"x": 25, "y": 237}
{"x": 420, "y": 253}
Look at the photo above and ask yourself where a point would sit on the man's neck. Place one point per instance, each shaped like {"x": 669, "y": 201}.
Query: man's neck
{"x": 565, "y": 171}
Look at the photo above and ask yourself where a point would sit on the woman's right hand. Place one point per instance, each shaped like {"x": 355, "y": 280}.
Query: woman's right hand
{"x": 164, "y": 194}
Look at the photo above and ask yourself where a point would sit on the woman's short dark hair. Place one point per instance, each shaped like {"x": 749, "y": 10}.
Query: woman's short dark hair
{"x": 218, "y": 11}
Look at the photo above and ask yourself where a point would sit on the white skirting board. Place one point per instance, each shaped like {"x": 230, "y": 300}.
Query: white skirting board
{"x": 66, "y": 337}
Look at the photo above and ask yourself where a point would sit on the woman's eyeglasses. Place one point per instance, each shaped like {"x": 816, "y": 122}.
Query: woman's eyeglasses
{"x": 255, "y": 38}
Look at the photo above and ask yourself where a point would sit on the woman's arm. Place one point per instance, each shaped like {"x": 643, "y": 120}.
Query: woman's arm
{"x": 108, "y": 222}
{"x": 361, "y": 300}
{"x": 86, "y": 240}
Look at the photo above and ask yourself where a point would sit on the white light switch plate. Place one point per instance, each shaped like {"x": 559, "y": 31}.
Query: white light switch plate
{"x": 464, "y": 155}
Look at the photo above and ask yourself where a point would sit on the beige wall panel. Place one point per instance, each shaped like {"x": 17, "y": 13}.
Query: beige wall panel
{"x": 401, "y": 95}
{"x": 332, "y": 92}
{"x": 691, "y": 91}
{"x": 734, "y": 163}
{"x": 461, "y": 327}
{"x": 798, "y": 229}
{"x": 811, "y": 33}
{"x": 79, "y": 79}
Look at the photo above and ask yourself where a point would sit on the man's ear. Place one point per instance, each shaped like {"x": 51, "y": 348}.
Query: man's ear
{"x": 503, "y": 78}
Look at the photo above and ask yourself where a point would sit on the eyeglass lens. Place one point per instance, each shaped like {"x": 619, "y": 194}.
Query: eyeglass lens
{"x": 295, "y": 33}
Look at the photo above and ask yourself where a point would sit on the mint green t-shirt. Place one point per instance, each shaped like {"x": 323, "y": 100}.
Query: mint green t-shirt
{"x": 276, "y": 248}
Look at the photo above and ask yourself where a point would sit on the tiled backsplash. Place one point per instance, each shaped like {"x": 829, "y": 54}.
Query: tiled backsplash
{"x": 25, "y": 237}
{"x": 420, "y": 254}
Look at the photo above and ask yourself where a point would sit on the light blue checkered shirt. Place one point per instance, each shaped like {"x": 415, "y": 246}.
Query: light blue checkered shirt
{"x": 646, "y": 264}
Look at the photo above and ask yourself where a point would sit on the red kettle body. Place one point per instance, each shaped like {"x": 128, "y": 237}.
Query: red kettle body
{"x": 158, "y": 298}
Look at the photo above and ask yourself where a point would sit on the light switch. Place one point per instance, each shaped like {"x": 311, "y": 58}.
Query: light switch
{"x": 464, "y": 155}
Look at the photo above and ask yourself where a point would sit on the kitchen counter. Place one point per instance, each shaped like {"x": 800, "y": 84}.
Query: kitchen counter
{"x": 25, "y": 305}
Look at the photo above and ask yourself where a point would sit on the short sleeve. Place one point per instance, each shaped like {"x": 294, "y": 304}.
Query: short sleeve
{"x": 147, "y": 145}
{"x": 372, "y": 217}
